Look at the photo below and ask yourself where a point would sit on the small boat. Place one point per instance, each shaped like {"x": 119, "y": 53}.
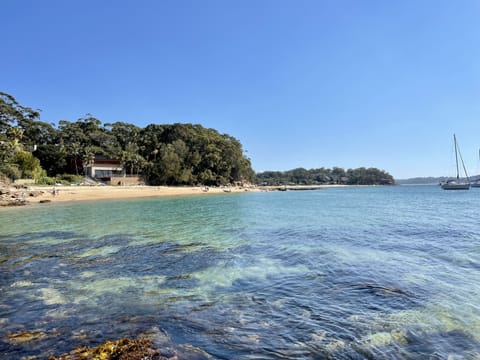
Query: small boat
{"x": 457, "y": 184}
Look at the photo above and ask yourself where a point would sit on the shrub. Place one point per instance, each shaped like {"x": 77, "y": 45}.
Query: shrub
{"x": 69, "y": 178}
{"x": 46, "y": 180}
{"x": 10, "y": 171}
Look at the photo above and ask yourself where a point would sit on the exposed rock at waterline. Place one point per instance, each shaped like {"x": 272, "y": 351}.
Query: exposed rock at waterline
{"x": 16, "y": 195}
{"x": 155, "y": 345}
{"x": 12, "y": 202}
{"x": 123, "y": 349}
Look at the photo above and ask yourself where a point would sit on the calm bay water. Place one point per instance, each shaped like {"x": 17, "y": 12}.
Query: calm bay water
{"x": 340, "y": 273}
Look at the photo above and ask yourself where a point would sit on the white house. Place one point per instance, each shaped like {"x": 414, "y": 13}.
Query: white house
{"x": 103, "y": 169}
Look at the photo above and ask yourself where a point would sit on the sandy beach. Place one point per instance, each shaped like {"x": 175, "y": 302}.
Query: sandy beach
{"x": 45, "y": 194}
{"x": 82, "y": 193}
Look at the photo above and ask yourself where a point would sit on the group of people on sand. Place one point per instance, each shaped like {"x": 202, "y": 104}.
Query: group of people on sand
{"x": 55, "y": 191}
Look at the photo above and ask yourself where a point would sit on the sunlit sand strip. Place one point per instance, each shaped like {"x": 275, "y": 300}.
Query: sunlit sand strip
{"x": 89, "y": 193}
{"x": 79, "y": 193}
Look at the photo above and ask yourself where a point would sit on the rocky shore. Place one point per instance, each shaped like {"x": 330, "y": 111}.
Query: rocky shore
{"x": 137, "y": 349}
{"x": 17, "y": 195}
{"x": 154, "y": 344}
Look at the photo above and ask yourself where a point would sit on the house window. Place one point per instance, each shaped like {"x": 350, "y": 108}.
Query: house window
{"x": 103, "y": 173}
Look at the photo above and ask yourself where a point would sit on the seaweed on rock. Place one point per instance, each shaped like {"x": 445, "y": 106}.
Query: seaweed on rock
{"x": 138, "y": 349}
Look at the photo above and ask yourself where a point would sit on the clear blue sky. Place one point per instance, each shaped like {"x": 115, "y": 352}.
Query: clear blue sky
{"x": 300, "y": 83}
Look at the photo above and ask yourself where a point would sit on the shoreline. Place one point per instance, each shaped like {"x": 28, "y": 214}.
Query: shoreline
{"x": 44, "y": 194}
{"x": 90, "y": 193}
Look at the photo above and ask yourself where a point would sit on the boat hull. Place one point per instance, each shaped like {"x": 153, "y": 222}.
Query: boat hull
{"x": 455, "y": 186}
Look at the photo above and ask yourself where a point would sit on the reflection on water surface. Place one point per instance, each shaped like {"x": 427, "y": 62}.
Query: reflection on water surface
{"x": 338, "y": 273}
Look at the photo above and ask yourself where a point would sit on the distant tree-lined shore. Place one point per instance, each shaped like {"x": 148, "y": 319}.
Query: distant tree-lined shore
{"x": 168, "y": 154}
{"x": 301, "y": 176}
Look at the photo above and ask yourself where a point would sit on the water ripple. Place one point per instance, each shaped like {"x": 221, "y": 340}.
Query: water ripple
{"x": 351, "y": 273}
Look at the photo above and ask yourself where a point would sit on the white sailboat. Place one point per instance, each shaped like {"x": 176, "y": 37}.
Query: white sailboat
{"x": 457, "y": 184}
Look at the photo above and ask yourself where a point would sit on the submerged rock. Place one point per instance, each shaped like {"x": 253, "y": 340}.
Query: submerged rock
{"x": 123, "y": 349}
{"x": 138, "y": 349}
{"x": 26, "y": 336}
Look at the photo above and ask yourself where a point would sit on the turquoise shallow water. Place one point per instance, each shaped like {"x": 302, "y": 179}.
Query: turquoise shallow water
{"x": 340, "y": 273}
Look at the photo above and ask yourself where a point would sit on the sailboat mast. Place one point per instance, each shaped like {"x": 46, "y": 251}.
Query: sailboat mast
{"x": 456, "y": 154}
{"x": 457, "y": 185}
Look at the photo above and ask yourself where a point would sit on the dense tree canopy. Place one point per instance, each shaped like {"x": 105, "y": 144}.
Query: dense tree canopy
{"x": 16, "y": 159}
{"x": 169, "y": 154}
{"x": 300, "y": 176}
{"x": 13, "y": 114}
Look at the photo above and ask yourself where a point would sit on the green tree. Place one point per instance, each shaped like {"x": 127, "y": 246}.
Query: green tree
{"x": 360, "y": 176}
{"x": 73, "y": 141}
{"x": 12, "y": 113}
{"x": 43, "y": 140}
{"x": 15, "y": 161}
{"x": 123, "y": 133}
{"x": 27, "y": 164}
{"x": 338, "y": 175}
{"x": 37, "y": 133}
{"x": 165, "y": 154}
{"x": 88, "y": 157}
